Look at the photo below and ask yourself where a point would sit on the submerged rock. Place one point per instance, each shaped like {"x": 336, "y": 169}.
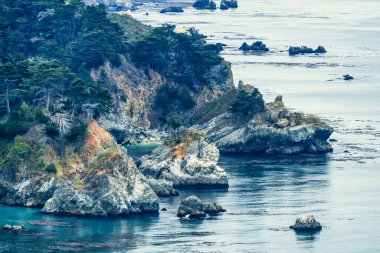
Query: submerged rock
{"x": 306, "y": 223}
{"x": 194, "y": 207}
{"x": 347, "y": 77}
{"x": 204, "y": 4}
{"x": 256, "y": 46}
{"x": 195, "y": 165}
{"x": 171, "y": 9}
{"x": 306, "y": 50}
{"x": 226, "y": 4}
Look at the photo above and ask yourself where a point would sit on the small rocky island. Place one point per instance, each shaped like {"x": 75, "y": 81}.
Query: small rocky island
{"x": 306, "y": 50}
{"x": 306, "y": 223}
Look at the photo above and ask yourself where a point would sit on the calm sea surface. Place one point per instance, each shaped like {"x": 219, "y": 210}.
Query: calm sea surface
{"x": 266, "y": 194}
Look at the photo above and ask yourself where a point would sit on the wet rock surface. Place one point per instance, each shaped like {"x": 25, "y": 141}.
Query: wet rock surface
{"x": 306, "y": 223}
{"x": 347, "y": 77}
{"x": 14, "y": 228}
{"x": 194, "y": 208}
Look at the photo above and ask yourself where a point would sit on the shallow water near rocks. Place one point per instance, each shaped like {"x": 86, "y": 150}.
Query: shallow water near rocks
{"x": 266, "y": 193}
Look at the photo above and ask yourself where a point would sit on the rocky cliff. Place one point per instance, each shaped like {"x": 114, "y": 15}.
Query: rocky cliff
{"x": 98, "y": 179}
{"x": 275, "y": 130}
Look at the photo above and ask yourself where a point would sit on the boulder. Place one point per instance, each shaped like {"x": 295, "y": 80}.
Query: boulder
{"x": 320, "y": 50}
{"x": 194, "y": 208}
{"x": 259, "y": 46}
{"x": 204, "y": 4}
{"x": 306, "y": 223}
{"x": 300, "y": 50}
{"x": 245, "y": 47}
{"x": 171, "y": 9}
{"x": 256, "y": 46}
{"x": 306, "y": 50}
{"x": 195, "y": 165}
{"x": 226, "y": 4}
{"x": 162, "y": 187}
{"x": 348, "y": 77}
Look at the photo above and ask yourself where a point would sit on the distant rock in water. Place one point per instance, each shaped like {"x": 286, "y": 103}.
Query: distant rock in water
{"x": 256, "y": 46}
{"x": 270, "y": 128}
{"x": 306, "y": 223}
{"x": 194, "y": 208}
{"x": 171, "y": 9}
{"x": 218, "y": 47}
{"x": 226, "y": 4}
{"x": 306, "y": 50}
{"x": 348, "y": 77}
{"x": 320, "y": 50}
{"x": 193, "y": 162}
{"x": 204, "y": 4}
{"x": 8, "y": 227}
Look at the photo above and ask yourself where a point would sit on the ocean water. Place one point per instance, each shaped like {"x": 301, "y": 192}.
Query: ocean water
{"x": 266, "y": 194}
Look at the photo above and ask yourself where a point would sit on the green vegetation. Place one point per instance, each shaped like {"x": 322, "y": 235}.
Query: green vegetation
{"x": 248, "y": 103}
{"x": 181, "y": 58}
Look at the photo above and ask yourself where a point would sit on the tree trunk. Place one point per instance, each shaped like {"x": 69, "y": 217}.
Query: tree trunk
{"x": 7, "y": 101}
{"x": 48, "y": 100}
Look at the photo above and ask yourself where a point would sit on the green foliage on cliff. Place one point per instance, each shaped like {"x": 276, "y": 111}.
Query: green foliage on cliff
{"x": 248, "y": 103}
{"x": 181, "y": 58}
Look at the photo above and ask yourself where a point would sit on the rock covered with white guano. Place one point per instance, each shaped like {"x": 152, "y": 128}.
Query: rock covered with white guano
{"x": 195, "y": 165}
{"x": 306, "y": 222}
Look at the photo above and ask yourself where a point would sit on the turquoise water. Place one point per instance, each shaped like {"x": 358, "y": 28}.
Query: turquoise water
{"x": 266, "y": 194}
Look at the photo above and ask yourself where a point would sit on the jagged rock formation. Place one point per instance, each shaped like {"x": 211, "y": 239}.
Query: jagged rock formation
{"x": 277, "y": 130}
{"x": 195, "y": 208}
{"x": 306, "y": 223}
{"x": 187, "y": 164}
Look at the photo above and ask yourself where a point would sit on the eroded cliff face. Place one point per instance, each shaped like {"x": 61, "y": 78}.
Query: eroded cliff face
{"x": 96, "y": 178}
{"x": 277, "y": 130}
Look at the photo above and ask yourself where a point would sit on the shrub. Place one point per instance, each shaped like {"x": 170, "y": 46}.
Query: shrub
{"x": 172, "y": 96}
{"x": 248, "y": 103}
{"x": 52, "y": 129}
{"x": 41, "y": 116}
{"x": 77, "y": 133}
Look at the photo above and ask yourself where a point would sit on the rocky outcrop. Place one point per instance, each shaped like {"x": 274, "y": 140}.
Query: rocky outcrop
{"x": 306, "y": 223}
{"x": 204, "y": 4}
{"x": 194, "y": 208}
{"x": 195, "y": 165}
{"x": 226, "y": 4}
{"x": 109, "y": 185}
{"x": 171, "y": 9}
{"x": 278, "y": 130}
{"x": 258, "y": 46}
{"x": 98, "y": 180}
{"x": 306, "y": 50}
